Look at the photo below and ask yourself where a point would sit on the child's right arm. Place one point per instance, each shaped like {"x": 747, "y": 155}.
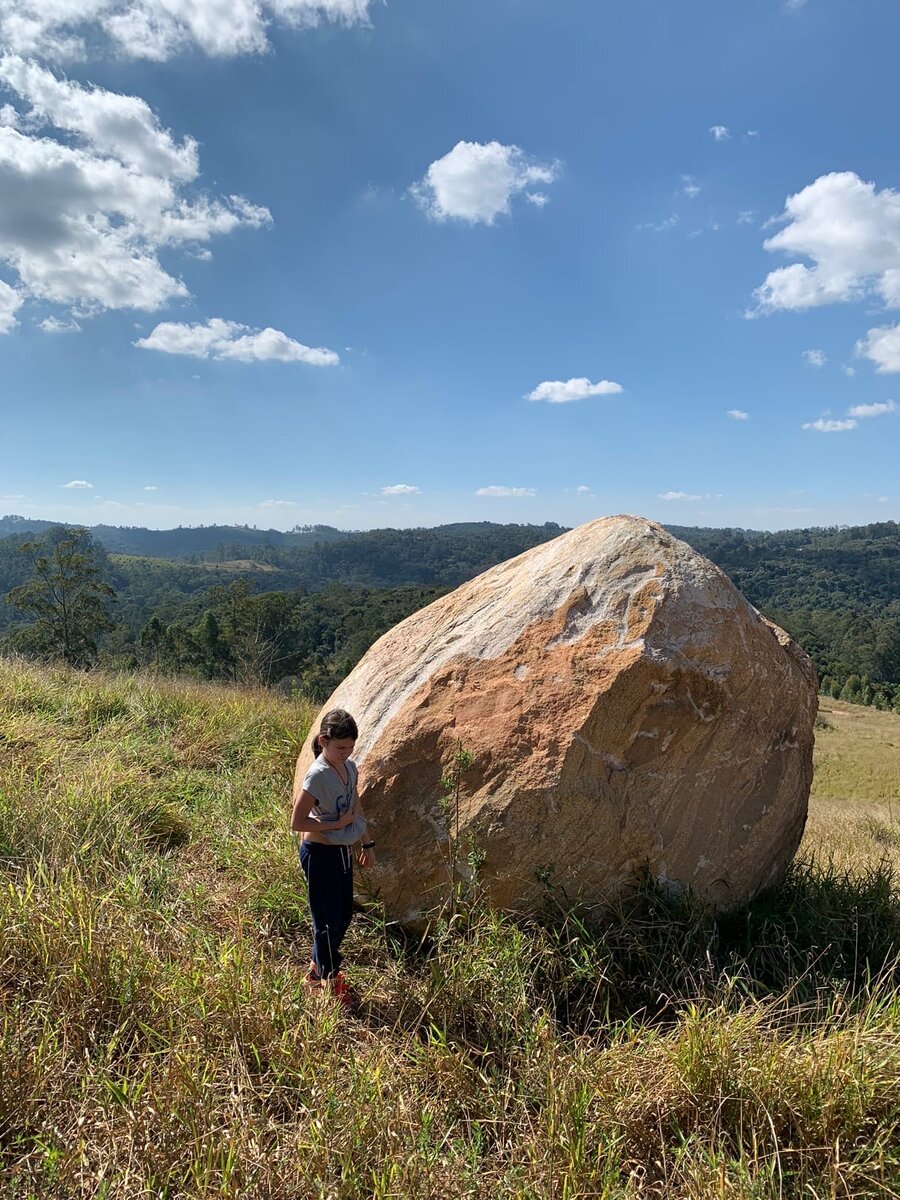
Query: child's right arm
{"x": 302, "y": 822}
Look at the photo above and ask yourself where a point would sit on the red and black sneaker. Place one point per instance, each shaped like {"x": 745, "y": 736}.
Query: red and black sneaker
{"x": 342, "y": 991}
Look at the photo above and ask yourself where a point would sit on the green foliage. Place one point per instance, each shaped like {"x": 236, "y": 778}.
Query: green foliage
{"x": 309, "y": 641}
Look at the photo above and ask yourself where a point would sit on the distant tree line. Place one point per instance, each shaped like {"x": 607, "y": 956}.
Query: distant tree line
{"x": 197, "y": 542}
{"x": 305, "y": 614}
{"x": 306, "y": 640}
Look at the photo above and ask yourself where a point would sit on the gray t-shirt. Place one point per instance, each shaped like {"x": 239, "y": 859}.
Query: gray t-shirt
{"x": 333, "y": 798}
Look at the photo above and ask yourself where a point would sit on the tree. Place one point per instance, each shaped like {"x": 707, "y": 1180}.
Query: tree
{"x": 152, "y": 638}
{"x": 66, "y": 594}
{"x": 213, "y": 648}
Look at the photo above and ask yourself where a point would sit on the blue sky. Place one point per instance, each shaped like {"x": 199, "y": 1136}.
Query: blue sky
{"x": 519, "y": 260}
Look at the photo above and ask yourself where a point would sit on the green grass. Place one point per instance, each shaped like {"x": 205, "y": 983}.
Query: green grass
{"x": 156, "y": 1039}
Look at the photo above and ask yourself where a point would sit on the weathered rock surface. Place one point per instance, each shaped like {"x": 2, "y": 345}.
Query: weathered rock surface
{"x": 627, "y": 711}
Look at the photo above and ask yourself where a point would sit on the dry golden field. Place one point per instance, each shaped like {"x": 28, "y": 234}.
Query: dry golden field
{"x": 855, "y": 804}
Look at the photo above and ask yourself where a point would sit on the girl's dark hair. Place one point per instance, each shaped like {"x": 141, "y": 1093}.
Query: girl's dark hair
{"x": 335, "y": 724}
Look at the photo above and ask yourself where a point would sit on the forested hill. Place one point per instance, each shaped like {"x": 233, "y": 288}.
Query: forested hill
{"x": 854, "y": 567}
{"x": 810, "y": 568}
{"x": 192, "y": 542}
{"x": 225, "y": 543}
{"x": 836, "y": 590}
{"x": 444, "y": 556}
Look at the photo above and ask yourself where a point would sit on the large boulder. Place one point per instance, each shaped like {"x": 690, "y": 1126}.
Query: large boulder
{"x": 627, "y": 712}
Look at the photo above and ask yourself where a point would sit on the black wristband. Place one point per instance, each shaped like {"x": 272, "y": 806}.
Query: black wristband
{"x": 368, "y": 845}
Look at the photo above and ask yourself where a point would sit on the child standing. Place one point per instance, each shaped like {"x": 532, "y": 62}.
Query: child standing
{"x": 328, "y": 814}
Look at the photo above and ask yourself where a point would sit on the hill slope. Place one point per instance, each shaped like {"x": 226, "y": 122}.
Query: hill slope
{"x": 157, "y": 1040}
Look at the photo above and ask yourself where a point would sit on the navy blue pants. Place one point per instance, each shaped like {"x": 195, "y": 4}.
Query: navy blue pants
{"x": 329, "y": 880}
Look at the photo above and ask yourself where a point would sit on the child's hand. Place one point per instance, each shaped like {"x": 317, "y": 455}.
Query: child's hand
{"x": 367, "y": 857}
{"x": 347, "y": 819}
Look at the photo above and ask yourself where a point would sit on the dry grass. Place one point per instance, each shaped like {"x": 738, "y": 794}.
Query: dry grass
{"x": 855, "y": 806}
{"x": 156, "y": 1039}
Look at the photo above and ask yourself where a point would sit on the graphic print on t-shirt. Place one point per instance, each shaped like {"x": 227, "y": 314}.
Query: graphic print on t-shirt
{"x": 344, "y": 801}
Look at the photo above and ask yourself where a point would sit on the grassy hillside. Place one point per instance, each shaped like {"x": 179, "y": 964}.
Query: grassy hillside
{"x": 235, "y": 566}
{"x": 156, "y": 1039}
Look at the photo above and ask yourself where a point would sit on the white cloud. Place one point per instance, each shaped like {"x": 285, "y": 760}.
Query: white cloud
{"x": 476, "y": 181}
{"x": 158, "y": 29}
{"x": 660, "y": 226}
{"x": 555, "y": 391}
{"x": 824, "y": 425}
{"x": 690, "y": 187}
{"x": 84, "y": 216}
{"x": 122, "y": 126}
{"x": 746, "y": 216}
{"x": 401, "y": 489}
{"x": 229, "y": 340}
{"x": 720, "y": 132}
{"x": 582, "y": 487}
{"x": 55, "y": 325}
{"x": 15, "y": 496}
{"x": 878, "y": 409}
{"x": 689, "y": 496}
{"x": 738, "y": 414}
{"x": 10, "y": 303}
{"x": 278, "y": 504}
{"x": 271, "y": 344}
{"x": 151, "y": 487}
{"x": 859, "y": 412}
{"x": 882, "y": 346}
{"x": 850, "y": 232}
{"x": 77, "y": 483}
{"x": 198, "y": 340}
{"x": 815, "y": 358}
{"x": 495, "y": 490}
{"x": 752, "y": 134}
{"x": 848, "y": 370}
{"x": 793, "y": 5}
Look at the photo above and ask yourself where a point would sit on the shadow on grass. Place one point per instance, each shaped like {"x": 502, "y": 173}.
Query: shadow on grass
{"x": 482, "y": 976}
{"x": 819, "y": 931}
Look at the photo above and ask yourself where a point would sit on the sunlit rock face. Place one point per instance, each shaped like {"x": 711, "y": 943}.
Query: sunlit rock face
{"x": 628, "y": 713}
